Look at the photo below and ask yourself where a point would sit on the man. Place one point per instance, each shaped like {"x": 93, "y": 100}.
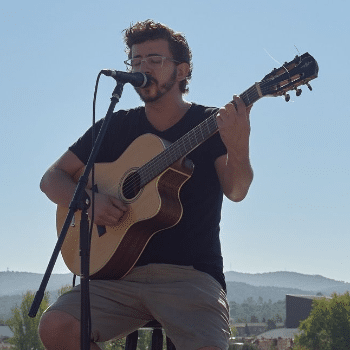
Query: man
{"x": 178, "y": 278}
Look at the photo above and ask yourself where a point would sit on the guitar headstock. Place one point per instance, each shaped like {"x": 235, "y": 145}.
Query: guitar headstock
{"x": 288, "y": 77}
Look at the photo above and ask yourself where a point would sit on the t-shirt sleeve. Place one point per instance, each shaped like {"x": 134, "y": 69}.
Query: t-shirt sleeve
{"x": 114, "y": 142}
{"x": 83, "y": 146}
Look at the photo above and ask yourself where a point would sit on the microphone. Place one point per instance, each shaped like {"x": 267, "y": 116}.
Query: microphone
{"x": 137, "y": 79}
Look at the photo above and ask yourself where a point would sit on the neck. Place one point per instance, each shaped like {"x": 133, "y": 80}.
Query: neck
{"x": 166, "y": 111}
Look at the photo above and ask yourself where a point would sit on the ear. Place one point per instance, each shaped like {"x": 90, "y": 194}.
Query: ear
{"x": 182, "y": 71}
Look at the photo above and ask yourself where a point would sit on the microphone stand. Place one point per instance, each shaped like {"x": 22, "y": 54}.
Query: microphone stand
{"x": 80, "y": 201}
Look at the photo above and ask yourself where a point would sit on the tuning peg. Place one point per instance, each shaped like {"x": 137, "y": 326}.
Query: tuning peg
{"x": 309, "y": 86}
{"x": 286, "y": 97}
{"x": 298, "y": 92}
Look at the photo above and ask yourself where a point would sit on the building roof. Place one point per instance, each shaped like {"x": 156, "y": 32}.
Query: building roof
{"x": 309, "y": 296}
{"x": 250, "y": 324}
{"x": 287, "y": 333}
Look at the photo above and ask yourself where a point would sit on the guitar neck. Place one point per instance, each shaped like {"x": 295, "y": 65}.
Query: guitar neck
{"x": 191, "y": 140}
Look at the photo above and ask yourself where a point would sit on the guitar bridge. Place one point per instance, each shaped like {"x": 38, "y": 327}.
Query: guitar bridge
{"x": 101, "y": 230}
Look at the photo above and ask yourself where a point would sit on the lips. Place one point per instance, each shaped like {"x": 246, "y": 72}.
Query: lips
{"x": 152, "y": 80}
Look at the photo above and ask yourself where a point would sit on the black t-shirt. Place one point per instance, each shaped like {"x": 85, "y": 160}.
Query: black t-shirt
{"x": 195, "y": 239}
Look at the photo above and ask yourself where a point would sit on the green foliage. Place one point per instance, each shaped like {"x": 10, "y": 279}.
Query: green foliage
{"x": 246, "y": 330}
{"x": 328, "y": 325}
{"x": 145, "y": 338}
{"x": 233, "y": 332}
{"x": 64, "y": 289}
{"x": 24, "y": 328}
{"x": 271, "y": 324}
{"x": 258, "y": 311}
{"x": 247, "y": 346}
{"x": 254, "y": 319}
{"x": 116, "y": 344}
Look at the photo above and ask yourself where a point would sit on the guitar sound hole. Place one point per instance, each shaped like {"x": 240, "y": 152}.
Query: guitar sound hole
{"x": 131, "y": 186}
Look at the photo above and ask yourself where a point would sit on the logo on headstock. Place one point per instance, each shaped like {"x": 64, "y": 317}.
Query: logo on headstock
{"x": 306, "y": 64}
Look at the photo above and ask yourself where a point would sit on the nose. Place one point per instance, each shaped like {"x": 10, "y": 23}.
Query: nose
{"x": 144, "y": 67}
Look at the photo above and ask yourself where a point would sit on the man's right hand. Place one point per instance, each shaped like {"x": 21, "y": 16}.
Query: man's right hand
{"x": 107, "y": 209}
{"x": 59, "y": 185}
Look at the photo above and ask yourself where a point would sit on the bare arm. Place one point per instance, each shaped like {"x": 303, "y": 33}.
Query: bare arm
{"x": 57, "y": 183}
{"x": 59, "y": 186}
{"x": 234, "y": 170}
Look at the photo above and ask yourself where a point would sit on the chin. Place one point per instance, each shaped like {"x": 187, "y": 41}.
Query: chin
{"x": 147, "y": 95}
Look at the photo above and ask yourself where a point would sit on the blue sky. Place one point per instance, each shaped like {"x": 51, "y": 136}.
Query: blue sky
{"x": 296, "y": 215}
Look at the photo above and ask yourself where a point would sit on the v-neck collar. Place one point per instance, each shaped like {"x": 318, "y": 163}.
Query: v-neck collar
{"x": 170, "y": 129}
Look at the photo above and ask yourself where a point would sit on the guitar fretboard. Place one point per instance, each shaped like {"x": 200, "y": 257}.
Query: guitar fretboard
{"x": 188, "y": 142}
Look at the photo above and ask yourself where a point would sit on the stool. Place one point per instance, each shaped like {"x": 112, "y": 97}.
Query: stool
{"x": 157, "y": 337}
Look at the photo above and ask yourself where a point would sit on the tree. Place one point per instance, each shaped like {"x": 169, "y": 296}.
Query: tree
{"x": 234, "y": 309}
{"x": 328, "y": 325}
{"x": 278, "y": 318}
{"x": 116, "y": 344}
{"x": 254, "y": 319}
{"x": 233, "y": 332}
{"x": 64, "y": 289}
{"x": 144, "y": 340}
{"x": 271, "y": 325}
{"x": 247, "y": 346}
{"x": 24, "y": 328}
{"x": 259, "y": 310}
{"x": 247, "y": 330}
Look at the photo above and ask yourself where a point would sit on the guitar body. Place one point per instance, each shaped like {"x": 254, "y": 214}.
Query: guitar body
{"x": 152, "y": 208}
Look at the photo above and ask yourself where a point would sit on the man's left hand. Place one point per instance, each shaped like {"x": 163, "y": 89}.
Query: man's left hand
{"x": 234, "y": 127}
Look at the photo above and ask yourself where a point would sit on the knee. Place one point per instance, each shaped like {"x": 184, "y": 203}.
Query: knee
{"x": 56, "y": 326}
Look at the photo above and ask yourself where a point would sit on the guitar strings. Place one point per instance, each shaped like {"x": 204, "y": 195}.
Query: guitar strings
{"x": 207, "y": 123}
{"x": 181, "y": 147}
{"x": 167, "y": 157}
{"x": 210, "y": 122}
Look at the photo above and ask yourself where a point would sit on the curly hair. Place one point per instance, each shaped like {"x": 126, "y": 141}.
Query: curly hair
{"x": 149, "y": 30}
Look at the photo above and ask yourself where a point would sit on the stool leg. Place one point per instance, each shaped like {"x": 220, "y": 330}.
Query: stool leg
{"x": 131, "y": 341}
{"x": 169, "y": 344}
{"x": 157, "y": 339}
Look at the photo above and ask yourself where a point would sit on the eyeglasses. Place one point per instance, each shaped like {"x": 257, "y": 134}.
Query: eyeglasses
{"x": 152, "y": 61}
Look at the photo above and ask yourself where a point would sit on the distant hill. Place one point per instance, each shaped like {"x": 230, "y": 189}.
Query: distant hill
{"x": 236, "y": 291}
{"x": 270, "y": 286}
{"x": 239, "y": 292}
{"x": 285, "y": 279}
{"x": 15, "y": 283}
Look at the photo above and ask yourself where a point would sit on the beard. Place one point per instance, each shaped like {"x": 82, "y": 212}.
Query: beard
{"x": 161, "y": 90}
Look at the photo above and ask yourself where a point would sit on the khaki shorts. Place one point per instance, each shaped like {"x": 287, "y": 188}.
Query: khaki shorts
{"x": 191, "y": 306}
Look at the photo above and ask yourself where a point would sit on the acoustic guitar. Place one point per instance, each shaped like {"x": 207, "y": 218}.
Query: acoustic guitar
{"x": 148, "y": 177}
